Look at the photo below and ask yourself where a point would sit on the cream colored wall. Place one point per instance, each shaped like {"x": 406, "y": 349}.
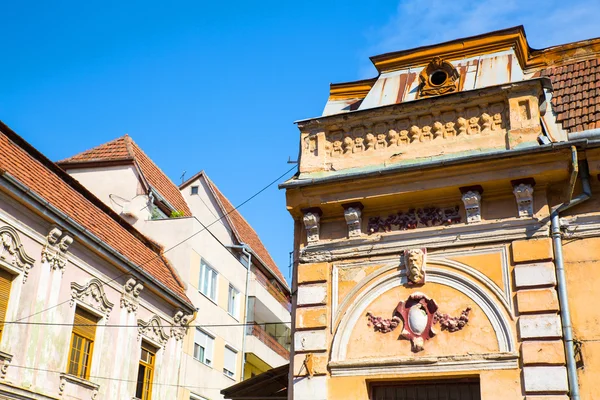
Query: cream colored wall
{"x": 44, "y": 298}
{"x": 196, "y": 377}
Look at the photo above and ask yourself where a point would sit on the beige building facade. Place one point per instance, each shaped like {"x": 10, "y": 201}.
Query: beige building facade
{"x": 242, "y": 322}
{"x": 91, "y": 308}
{"x": 445, "y": 227}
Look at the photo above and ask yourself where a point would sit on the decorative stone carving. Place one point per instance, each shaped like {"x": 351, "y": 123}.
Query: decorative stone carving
{"x": 472, "y": 199}
{"x": 416, "y": 131}
{"x": 418, "y": 313}
{"x": 439, "y": 77}
{"x": 5, "y": 360}
{"x": 12, "y": 251}
{"x": 55, "y": 249}
{"x": 312, "y": 218}
{"x": 152, "y": 330}
{"x": 524, "y": 195}
{"x": 352, "y": 214}
{"x": 181, "y": 322}
{"x": 131, "y": 294}
{"x": 93, "y": 295}
{"x": 415, "y": 262}
{"x": 415, "y": 218}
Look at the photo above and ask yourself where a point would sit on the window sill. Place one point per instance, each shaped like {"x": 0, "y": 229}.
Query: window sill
{"x": 230, "y": 377}
{"x": 233, "y": 316}
{"x": 211, "y": 300}
{"x": 203, "y": 363}
{"x": 79, "y": 381}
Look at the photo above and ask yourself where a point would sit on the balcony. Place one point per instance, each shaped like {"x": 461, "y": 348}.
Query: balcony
{"x": 261, "y": 334}
{"x": 280, "y": 297}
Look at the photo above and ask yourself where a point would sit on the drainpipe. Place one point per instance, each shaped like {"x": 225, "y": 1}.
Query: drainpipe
{"x": 560, "y": 267}
{"x": 245, "y": 249}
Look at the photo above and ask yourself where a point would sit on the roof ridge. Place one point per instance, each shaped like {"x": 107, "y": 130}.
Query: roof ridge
{"x": 105, "y": 145}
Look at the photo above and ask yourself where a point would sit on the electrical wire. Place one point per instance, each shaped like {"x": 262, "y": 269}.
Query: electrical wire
{"x": 174, "y": 246}
{"x": 137, "y": 326}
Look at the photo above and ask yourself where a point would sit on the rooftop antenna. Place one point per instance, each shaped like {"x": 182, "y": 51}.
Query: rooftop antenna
{"x": 183, "y": 176}
{"x": 290, "y": 161}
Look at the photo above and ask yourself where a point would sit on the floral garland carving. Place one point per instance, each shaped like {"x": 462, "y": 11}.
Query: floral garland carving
{"x": 414, "y": 218}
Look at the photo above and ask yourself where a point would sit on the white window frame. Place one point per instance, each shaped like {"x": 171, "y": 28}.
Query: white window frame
{"x": 206, "y": 272}
{"x": 209, "y": 347}
{"x": 233, "y": 306}
{"x": 226, "y": 371}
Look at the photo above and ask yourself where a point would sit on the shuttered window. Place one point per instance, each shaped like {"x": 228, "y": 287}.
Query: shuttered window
{"x": 467, "y": 389}
{"x": 145, "y": 377}
{"x": 5, "y": 284}
{"x": 230, "y": 361}
{"x": 203, "y": 347}
{"x": 82, "y": 343}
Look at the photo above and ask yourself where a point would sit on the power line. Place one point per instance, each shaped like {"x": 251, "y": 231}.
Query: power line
{"x": 174, "y": 246}
{"x": 137, "y": 326}
{"x": 116, "y": 379}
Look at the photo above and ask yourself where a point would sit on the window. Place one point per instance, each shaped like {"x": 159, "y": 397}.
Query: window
{"x": 203, "y": 347}
{"x": 233, "y": 305}
{"x": 143, "y": 389}
{"x": 5, "y": 284}
{"x": 230, "y": 362}
{"x": 82, "y": 343}
{"x": 460, "y": 389}
{"x": 194, "y": 190}
{"x": 208, "y": 281}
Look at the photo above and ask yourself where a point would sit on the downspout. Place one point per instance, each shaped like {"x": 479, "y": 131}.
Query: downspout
{"x": 560, "y": 267}
{"x": 244, "y": 249}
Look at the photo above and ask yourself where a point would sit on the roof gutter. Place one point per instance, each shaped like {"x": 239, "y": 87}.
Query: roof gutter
{"x": 94, "y": 241}
{"x": 298, "y": 183}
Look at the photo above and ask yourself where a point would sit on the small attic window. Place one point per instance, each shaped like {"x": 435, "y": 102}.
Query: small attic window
{"x": 438, "y": 77}
{"x": 194, "y": 190}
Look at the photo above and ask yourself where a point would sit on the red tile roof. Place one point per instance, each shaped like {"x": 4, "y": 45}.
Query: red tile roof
{"x": 576, "y": 97}
{"x": 31, "y": 168}
{"x": 242, "y": 230}
{"x": 126, "y": 150}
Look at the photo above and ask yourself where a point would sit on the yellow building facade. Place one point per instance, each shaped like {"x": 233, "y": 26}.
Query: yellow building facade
{"x": 446, "y": 227}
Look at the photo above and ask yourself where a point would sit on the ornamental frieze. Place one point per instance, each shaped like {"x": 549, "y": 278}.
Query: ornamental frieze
{"x": 406, "y": 132}
{"x": 415, "y": 218}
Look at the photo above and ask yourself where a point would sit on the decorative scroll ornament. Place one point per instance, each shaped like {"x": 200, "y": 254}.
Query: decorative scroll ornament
{"x": 524, "y": 195}
{"x": 152, "y": 330}
{"x": 93, "y": 295}
{"x": 181, "y": 321}
{"x": 312, "y": 218}
{"x": 472, "y": 201}
{"x": 415, "y": 262}
{"x": 12, "y": 251}
{"x": 418, "y": 313}
{"x": 415, "y": 218}
{"x": 55, "y": 249}
{"x": 5, "y": 360}
{"x": 131, "y": 294}
{"x": 352, "y": 214}
{"x": 439, "y": 77}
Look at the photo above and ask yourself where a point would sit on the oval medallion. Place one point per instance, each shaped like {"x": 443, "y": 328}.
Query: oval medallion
{"x": 417, "y": 319}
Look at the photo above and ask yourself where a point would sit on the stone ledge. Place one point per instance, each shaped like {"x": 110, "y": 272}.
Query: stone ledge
{"x": 535, "y": 274}
{"x": 540, "y": 326}
{"x": 532, "y": 250}
{"x": 536, "y": 300}
{"x": 545, "y": 379}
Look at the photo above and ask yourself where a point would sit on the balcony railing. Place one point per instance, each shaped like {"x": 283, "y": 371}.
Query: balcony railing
{"x": 273, "y": 290}
{"x": 257, "y": 331}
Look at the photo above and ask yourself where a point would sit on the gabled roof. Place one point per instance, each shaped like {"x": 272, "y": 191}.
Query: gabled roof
{"x": 271, "y": 384}
{"x": 125, "y": 150}
{"x": 242, "y": 230}
{"x": 30, "y": 168}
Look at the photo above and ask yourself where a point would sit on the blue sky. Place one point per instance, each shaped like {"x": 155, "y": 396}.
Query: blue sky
{"x": 217, "y": 85}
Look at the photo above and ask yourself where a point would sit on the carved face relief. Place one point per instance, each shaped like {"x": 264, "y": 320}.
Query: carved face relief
{"x": 415, "y": 266}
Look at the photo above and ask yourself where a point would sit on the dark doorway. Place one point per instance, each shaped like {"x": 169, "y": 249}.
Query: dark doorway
{"x": 463, "y": 389}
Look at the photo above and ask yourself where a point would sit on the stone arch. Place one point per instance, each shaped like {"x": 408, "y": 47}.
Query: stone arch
{"x": 466, "y": 286}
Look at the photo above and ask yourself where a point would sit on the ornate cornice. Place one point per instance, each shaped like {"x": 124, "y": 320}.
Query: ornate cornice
{"x": 93, "y": 295}
{"x": 12, "y": 251}
{"x": 152, "y": 330}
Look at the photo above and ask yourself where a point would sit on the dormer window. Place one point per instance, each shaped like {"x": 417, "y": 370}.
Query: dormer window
{"x": 437, "y": 78}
